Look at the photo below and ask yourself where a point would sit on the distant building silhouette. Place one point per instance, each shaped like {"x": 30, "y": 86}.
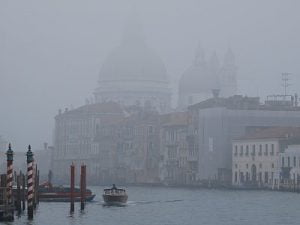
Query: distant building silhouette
{"x": 134, "y": 74}
{"x": 202, "y": 77}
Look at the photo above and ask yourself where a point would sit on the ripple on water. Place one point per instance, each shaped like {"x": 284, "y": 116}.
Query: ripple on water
{"x": 163, "y": 206}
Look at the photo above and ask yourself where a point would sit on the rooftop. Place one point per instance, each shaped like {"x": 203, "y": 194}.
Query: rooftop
{"x": 240, "y": 102}
{"x": 273, "y": 133}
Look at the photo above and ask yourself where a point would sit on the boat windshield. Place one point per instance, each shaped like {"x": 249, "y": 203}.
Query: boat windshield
{"x": 114, "y": 191}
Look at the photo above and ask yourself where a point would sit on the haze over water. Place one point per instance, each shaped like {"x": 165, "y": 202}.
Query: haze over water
{"x": 177, "y": 206}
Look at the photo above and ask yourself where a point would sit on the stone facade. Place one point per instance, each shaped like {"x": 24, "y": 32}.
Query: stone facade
{"x": 289, "y": 161}
{"x": 267, "y": 158}
{"x": 255, "y": 162}
{"x": 174, "y": 165}
{"x": 129, "y": 149}
{"x": 75, "y": 131}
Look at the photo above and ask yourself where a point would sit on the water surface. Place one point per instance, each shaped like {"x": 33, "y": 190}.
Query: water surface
{"x": 177, "y": 206}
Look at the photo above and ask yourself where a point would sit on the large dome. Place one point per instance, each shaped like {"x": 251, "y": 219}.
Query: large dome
{"x": 133, "y": 61}
{"x": 134, "y": 74}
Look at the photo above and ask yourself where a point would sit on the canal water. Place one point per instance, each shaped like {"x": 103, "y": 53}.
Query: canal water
{"x": 177, "y": 206}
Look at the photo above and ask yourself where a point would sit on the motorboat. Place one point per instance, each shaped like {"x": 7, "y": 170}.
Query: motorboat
{"x": 115, "y": 196}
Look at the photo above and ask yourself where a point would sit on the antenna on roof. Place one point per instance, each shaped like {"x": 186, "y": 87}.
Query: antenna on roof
{"x": 285, "y": 82}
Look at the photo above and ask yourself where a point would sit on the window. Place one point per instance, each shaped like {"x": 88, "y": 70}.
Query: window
{"x": 260, "y": 150}
{"x": 150, "y": 129}
{"x": 260, "y": 176}
{"x": 266, "y": 177}
{"x": 260, "y": 165}
{"x": 235, "y": 150}
{"x": 235, "y": 177}
{"x": 266, "y": 149}
{"x": 273, "y": 165}
{"x": 247, "y": 166}
{"x": 282, "y": 162}
{"x": 289, "y": 163}
{"x": 272, "y": 149}
{"x": 253, "y": 150}
{"x": 294, "y": 161}
{"x": 242, "y": 177}
{"x": 247, "y": 150}
{"x": 241, "y": 150}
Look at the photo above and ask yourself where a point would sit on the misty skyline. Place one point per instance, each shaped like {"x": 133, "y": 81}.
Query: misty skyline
{"x": 51, "y": 52}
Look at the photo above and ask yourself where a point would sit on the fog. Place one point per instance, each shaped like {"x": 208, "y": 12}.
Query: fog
{"x": 51, "y": 51}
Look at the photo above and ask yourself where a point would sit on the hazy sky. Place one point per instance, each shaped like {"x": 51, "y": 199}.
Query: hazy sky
{"x": 51, "y": 51}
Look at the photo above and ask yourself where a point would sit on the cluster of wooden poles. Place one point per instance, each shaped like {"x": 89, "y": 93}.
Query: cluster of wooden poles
{"x": 82, "y": 187}
{"x": 16, "y": 200}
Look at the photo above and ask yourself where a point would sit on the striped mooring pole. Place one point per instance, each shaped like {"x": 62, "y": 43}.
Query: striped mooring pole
{"x": 9, "y": 180}
{"x": 29, "y": 155}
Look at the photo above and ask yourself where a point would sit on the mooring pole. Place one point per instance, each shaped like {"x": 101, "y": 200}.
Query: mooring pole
{"x": 9, "y": 181}
{"x": 29, "y": 183}
{"x": 35, "y": 184}
{"x": 37, "y": 187}
{"x": 72, "y": 184}
{"x": 82, "y": 186}
{"x": 19, "y": 207}
{"x": 23, "y": 191}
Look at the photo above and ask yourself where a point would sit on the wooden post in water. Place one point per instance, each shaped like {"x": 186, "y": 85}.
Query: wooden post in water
{"x": 72, "y": 187}
{"x": 18, "y": 205}
{"x": 82, "y": 186}
{"x": 29, "y": 183}
{"x": 34, "y": 185}
{"x": 23, "y": 191}
{"x": 37, "y": 187}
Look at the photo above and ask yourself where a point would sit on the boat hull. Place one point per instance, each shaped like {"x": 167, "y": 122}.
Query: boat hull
{"x": 115, "y": 199}
{"x": 52, "y": 198}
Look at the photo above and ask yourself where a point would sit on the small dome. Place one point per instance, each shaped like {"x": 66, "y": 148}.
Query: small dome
{"x": 199, "y": 78}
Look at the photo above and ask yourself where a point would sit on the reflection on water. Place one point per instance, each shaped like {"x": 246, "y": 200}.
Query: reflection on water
{"x": 162, "y": 206}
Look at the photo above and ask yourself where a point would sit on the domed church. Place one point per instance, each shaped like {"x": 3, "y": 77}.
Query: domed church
{"x": 133, "y": 74}
{"x": 203, "y": 78}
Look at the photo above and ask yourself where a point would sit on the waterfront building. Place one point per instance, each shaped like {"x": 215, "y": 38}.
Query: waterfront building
{"x": 256, "y": 156}
{"x": 75, "y": 131}
{"x": 289, "y": 161}
{"x": 174, "y": 164}
{"x": 133, "y": 74}
{"x": 214, "y": 123}
{"x": 128, "y": 149}
{"x": 203, "y": 76}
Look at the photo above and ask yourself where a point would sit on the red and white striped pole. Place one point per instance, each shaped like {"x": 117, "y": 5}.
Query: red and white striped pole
{"x": 29, "y": 155}
{"x": 9, "y": 175}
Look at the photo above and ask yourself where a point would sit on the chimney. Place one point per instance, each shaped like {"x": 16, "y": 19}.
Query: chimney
{"x": 216, "y": 93}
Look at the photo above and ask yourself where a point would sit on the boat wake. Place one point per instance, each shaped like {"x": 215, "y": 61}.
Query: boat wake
{"x": 152, "y": 202}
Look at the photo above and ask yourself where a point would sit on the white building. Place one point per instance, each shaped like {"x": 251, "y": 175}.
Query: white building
{"x": 290, "y": 162}
{"x": 256, "y": 157}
